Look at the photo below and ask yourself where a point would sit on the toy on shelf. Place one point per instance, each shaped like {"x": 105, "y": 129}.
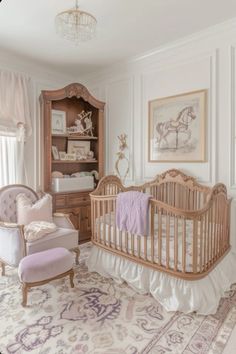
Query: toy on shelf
{"x": 83, "y": 124}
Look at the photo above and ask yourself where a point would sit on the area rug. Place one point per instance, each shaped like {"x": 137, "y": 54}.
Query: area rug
{"x": 99, "y": 316}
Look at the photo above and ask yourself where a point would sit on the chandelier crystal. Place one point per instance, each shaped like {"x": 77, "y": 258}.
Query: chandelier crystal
{"x": 76, "y": 25}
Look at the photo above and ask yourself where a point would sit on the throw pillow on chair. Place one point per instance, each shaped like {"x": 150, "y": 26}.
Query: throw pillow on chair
{"x": 27, "y": 211}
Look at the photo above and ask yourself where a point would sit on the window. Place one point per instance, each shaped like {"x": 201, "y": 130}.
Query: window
{"x": 8, "y": 161}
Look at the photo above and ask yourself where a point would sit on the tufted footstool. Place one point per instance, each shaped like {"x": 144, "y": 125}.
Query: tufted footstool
{"x": 42, "y": 267}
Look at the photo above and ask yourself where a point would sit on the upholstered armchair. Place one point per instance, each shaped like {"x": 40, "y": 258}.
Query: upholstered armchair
{"x": 13, "y": 246}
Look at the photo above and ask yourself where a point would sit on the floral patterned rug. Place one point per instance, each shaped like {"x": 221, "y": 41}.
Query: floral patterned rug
{"x": 99, "y": 316}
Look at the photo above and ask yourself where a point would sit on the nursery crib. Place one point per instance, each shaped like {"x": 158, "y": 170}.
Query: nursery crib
{"x": 188, "y": 227}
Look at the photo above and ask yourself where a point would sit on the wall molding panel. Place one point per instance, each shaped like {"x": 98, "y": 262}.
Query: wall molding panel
{"x": 233, "y": 117}
{"x": 212, "y": 68}
{"x": 119, "y": 113}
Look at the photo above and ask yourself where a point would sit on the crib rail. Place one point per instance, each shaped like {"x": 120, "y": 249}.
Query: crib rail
{"x": 188, "y": 234}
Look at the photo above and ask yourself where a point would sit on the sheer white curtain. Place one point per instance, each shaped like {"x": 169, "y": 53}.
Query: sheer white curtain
{"x": 15, "y": 125}
{"x": 8, "y": 160}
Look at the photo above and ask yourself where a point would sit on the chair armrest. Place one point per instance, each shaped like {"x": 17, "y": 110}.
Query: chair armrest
{"x": 10, "y": 225}
{"x": 12, "y": 243}
{"x": 63, "y": 220}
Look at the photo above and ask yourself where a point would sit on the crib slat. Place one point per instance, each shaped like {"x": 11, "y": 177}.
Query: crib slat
{"x": 109, "y": 222}
{"x": 168, "y": 240}
{"x": 92, "y": 219}
{"x": 195, "y": 242}
{"x": 176, "y": 221}
{"x": 212, "y": 235}
{"x": 139, "y": 238}
{"x": 152, "y": 233}
{"x": 201, "y": 242}
{"x": 114, "y": 224}
{"x": 195, "y": 200}
{"x": 215, "y": 232}
{"x": 126, "y": 242}
{"x": 176, "y": 195}
{"x": 184, "y": 245}
{"x": 99, "y": 221}
{"x": 145, "y": 248}
{"x": 219, "y": 219}
{"x": 222, "y": 244}
{"x": 104, "y": 222}
{"x": 120, "y": 240}
{"x": 221, "y": 223}
{"x": 132, "y": 244}
{"x": 208, "y": 237}
{"x": 159, "y": 237}
{"x": 205, "y": 241}
{"x": 217, "y": 229}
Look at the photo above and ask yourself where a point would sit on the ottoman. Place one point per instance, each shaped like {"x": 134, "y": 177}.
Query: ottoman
{"x": 42, "y": 267}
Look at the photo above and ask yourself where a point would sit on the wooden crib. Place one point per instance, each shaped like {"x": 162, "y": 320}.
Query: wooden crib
{"x": 189, "y": 224}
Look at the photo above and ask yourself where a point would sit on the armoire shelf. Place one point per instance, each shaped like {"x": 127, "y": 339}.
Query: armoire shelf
{"x": 71, "y": 137}
{"x": 72, "y": 100}
{"x": 77, "y": 162}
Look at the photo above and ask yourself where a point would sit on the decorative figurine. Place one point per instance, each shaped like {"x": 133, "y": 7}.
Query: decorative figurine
{"x": 122, "y": 157}
{"x": 81, "y": 129}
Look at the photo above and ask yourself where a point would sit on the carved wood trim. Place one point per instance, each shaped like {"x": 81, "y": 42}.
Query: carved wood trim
{"x": 72, "y": 90}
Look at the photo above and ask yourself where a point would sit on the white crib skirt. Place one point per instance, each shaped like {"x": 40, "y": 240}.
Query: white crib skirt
{"x": 172, "y": 293}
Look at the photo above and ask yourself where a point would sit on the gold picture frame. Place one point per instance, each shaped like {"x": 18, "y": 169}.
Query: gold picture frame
{"x": 177, "y": 128}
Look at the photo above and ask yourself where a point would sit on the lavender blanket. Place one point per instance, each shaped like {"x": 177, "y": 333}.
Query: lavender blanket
{"x": 132, "y": 212}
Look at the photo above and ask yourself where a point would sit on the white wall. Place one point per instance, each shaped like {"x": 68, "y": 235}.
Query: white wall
{"x": 203, "y": 61}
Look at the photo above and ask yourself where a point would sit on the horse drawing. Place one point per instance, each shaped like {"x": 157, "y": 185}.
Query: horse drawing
{"x": 178, "y": 125}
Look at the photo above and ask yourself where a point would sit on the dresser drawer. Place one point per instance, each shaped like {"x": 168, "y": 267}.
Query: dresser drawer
{"x": 77, "y": 200}
{"x": 60, "y": 201}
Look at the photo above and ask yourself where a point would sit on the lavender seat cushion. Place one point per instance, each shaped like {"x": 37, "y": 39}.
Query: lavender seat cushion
{"x": 45, "y": 265}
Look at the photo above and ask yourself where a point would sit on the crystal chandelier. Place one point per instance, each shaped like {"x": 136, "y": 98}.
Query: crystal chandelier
{"x": 76, "y": 25}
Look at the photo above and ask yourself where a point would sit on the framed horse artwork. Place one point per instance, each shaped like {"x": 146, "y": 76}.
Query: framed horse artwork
{"x": 177, "y": 128}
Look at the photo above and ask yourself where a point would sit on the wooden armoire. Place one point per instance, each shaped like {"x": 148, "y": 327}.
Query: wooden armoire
{"x": 71, "y": 101}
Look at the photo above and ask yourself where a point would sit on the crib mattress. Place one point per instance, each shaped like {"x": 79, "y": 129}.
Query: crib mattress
{"x": 111, "y": 236}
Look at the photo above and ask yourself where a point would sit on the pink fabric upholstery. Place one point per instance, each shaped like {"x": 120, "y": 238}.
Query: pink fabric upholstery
{"x": 8, "y": 201}
{"x": 45, "y": 265}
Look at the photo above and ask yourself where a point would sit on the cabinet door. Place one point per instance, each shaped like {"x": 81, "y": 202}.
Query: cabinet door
{"x": 86, "y": 216}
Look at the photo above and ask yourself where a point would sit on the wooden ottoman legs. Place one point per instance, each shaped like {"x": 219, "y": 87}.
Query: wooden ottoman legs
{"x": 26, "y": 286}
{"x": 77, "y": 253}
{"x": 3, "y": 268}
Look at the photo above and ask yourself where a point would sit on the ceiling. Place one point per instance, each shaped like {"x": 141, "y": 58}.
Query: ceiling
{"x": 126, "y": 28}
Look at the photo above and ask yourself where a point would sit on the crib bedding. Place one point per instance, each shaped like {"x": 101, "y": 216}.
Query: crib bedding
{"x": 173, "y": 293}
{"x": 111, "y": 236}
